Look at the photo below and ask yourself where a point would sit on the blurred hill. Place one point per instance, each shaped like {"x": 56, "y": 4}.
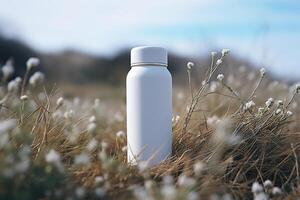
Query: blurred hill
{"x": 81, "y": 68}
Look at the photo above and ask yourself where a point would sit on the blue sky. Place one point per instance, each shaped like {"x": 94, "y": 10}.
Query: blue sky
{"x": 264, "y": 31}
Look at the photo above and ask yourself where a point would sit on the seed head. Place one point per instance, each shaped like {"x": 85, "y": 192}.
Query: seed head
{"x": 256, "y": 188}
{"x": 269, "y": 102}
{"x": 91, "y": 128}
{"x": 14, "y": 85}
{"x": 278, "y": 111}
{"x": 199, "y": 167}
{"x": 82, "y": 159}
{"x": 124, "y": 149}
{"x": 219, "y": 62}
{"x": 60, "y": 101}
{"x": 52, "y": 156}
{"x": 268, "y": 184}
{"x": 249, "y": 105}
{"x": 32, "y": 62}
{"x": 279, "y": 103}
{"x": 289, "y": 113}
{"x": 190, "y": 65}
{"x": 262, "y": 71}
{"x": 225, "y": 52}
{"x": 213, "y": 53}
{"x": 99, "y": 179}
{"x": 91, "y": 146}
{"x": 99, "y": 192}
{"x": 220, "y": 77}
{"x": 24, "y": 98}
{"x": 36, "y": 78}
{"x": 120, "y": 134}
{"x": 7, "y": 70}
{"x": 7, "y": 125}
{"x": 276, "y": 192}
{"x": 92, "y": 119}
{"x": 186, "y": 181}
{"x": 298, "y": 88}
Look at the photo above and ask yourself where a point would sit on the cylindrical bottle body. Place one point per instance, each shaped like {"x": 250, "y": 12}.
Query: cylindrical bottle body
{"x": 149, "y": 114}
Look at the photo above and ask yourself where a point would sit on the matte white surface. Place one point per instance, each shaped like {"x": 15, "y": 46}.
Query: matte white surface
{"x": 149, "y": 114}
{"x": 149, "y": 55}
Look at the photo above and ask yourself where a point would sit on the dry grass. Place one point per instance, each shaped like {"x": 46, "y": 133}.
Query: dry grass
{"x": 222, "y": 144}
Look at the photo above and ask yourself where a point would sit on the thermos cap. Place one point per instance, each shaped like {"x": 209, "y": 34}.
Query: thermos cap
{"x": 148, "y": 55}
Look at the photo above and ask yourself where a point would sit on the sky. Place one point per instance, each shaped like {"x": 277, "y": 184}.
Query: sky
{"x": 266, "y": 32}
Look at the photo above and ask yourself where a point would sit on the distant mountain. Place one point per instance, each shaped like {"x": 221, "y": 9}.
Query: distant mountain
{"x": 79, "y": 68}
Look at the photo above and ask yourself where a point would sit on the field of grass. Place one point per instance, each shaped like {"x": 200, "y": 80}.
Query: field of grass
{"x": 234, "y": 137}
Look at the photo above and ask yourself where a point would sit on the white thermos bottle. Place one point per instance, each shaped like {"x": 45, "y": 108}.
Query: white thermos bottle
{"x": 149, "y": 106}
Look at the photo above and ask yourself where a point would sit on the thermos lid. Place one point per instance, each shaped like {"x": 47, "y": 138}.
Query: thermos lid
{"x": 148, "y": 55}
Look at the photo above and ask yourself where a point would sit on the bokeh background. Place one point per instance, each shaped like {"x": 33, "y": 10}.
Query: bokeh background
{"x": 87, "y": 43}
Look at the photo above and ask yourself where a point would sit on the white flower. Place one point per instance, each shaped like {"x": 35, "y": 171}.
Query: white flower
{"x": 261, "y": 110}
{"x": 92, "y": 119}
{"x": 99, "y": 179}
{"x": 198, "y": 167}
{"x": 69, "y": 114}
{"x": 80, "y": 192}
{"x": 278, "y": 111}
{"x": 276, "y": 191}
{"x": 269, "y": 102}
{"x": 120, "y": 134}
{"x": 92, "y": 144}
{"x": 104, "y": 145}
{"x": 256, "y": 188}
{"x": 168, "y": 191}
{"x": 185, "y": 181}
{"x": 190, "y": 65}
{"x": 119, "y": 117}
{"x": 249, "y": 105}
{"x": 24, "y": 97}
{"x": 268, "y": 184}
{"x": 225, "y": 51}
{"x": 168, "y": 180}
{"x": 32, "y": 62}
{"x": 99, "y": 192}
{"x": 52, "y": 156}
{"x": 124, "y": 149}
{"x": 22, "y": 166}
{"x": 220, "y": 77}
{"x": 7, "y": 125}
{"x": 96, "y": 103}
{"x": 60, "y": 101}
{"x": 213, "y": 53}
{"x": 219, "y": 62}
{"x": 148, "y": 184}
{"x": 194, "y": 196}
{"x": 175, "y": 119}
{"x": 14, "y": 85}
{"x": 279, "y": 103}
{"x": 7, "y": 70}
{"x": 213, "y": 86}
{"x": 36, "y": 78}
{"x": 223, "y": 134}
{"x": 82, "y": 159}
{"x": 289, "y": 113}
{"x": 91, "y": 128}
{"x": 212, "y": 121}
{"x": 262, "y": 71}
{"x": 142, "y": 166}
{"x": 261, "y": 196}
{"x": 298, "y": 87}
